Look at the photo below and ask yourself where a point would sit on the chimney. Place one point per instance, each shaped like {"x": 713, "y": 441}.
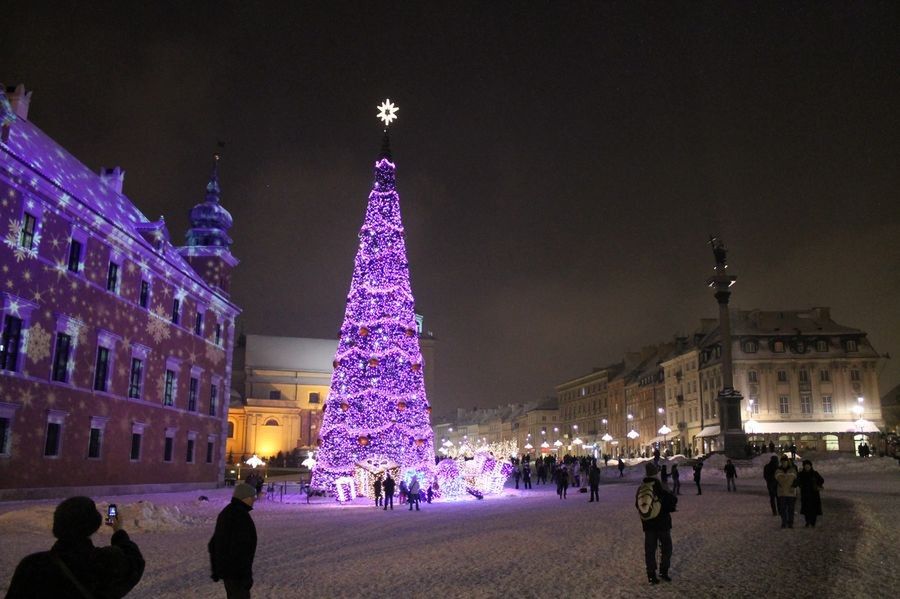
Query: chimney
{"x": 19, "y": 99}
{"x": 113, "y": 178}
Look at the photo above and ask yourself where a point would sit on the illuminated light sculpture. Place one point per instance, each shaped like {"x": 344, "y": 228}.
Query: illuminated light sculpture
{"x": 254, "y": 461}
{"x": 345, "y": 488}
{"x": 387, "y": 417}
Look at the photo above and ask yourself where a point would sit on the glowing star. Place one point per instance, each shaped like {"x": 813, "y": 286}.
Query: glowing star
{"x": 387, "y": 112}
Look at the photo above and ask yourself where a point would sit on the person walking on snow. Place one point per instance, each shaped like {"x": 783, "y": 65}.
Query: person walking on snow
{"x": 621, "y": 467}
{"x": 810, "y": 483}
{"x": 676, "y": 483}
{"x": 594, "y": 482}
{"x": 562, "y": 481}
{"x": 655, "y": 506}
{"x": 772, "y": 484}
{"x": 389, "y": 492}
{"x": 698, "y": 467}
{"x": 787, "y": 494}
{"x": 730, "y": 475}
{"x": 233, "y": 544}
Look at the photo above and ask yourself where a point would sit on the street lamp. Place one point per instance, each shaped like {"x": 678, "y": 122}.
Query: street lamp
{"x": 664, "y": 430}
{"x": 632, "y": 434}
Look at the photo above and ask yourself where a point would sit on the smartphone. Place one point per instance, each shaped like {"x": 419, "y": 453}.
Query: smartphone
{"x": 111, "y": 513}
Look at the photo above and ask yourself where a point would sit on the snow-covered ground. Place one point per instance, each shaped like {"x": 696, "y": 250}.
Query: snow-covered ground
{"x": 524, "y": 543}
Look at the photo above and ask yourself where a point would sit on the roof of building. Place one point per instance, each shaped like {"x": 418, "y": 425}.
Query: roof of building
{"x": 290, "y": 353}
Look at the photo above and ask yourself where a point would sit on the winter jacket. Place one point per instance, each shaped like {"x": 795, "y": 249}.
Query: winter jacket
{"x": 697, "y": 468}
{"x": 667, "y": 500}
{"x": 233, "y": 544}
{"x": 810, "y": 482}
{"x": 769, "y": 471}
{"x": 388, "y": 487}
{"x": 378, "y": 487}
{"x": 414, "y": 489}
{"x": 594, "y": 477}
{"x": 786, "y": 478}
{"x": 105, "y": 572}
{"x": 730, "y": 471}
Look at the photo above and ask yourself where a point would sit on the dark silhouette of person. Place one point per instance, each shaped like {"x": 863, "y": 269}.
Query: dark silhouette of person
{"x": 698, "y": 467}
{"x": 594, "y": 482}
{"x": 772, "y": 484}
{"x": 389, "y": 492}
{"x": 233, "y": 544}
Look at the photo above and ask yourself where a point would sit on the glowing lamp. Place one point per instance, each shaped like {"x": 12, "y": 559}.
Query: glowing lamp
{"x": 420, "y": 442}
{"x": 345, "y": 406}
{"x": 409, "y": 332}
{"x": 363, "y": 440}
{"x": 416, "y": 367}
{"x": 401, "y": 405}
{"x": 373, "y": 362}
{"x": 363, "y": 331}
{"x": 607, "y": 437}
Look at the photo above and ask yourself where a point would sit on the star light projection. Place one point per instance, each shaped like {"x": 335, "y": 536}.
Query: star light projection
{"x": 377, "y": 410}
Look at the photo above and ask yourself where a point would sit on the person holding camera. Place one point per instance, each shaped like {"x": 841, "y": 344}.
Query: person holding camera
{"x": 74, "y": 568}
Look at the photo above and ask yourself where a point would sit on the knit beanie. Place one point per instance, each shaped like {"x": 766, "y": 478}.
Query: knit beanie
{"x": 243, "y": 491}
{"x": 650, "y": 468}
{"x": 76, "y": 518}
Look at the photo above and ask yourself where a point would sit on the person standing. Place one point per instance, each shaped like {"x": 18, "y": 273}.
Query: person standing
{"x": 698, "y": 468}
{"x": 655, "y": 506}
{"x": 233, "y": 544}
{"x": 526, "y": 475}
{"x": 562, "y": 481}
{"x": 676, "y": 482}
{"x": 378, "y": 492}
{"x": 772, "y": 484}
{"x": 621, "y": 467}
{"x": 730, "y": 475}
{"x": 594, "y": 482}
{"x": 414, "y": 493}
{"x": 74, "y": 567}
{"x": 388, "y": 492}
{"x": 664, "y": 476}
{"x": 404, "y": 490}
{"x": 810, "y": 483}
{"x": 787, "y": 497}
{"x": 517, "y": 474}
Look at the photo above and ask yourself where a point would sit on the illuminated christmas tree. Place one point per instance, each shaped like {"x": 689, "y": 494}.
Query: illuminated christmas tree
{"x": 377, "y": 416}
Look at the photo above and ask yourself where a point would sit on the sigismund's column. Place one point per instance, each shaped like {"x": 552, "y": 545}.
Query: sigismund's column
{"x": 731, "y": 432}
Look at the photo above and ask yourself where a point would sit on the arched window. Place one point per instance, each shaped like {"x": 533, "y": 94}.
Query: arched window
{"x": 230, "y": 429}
{"x": 831, "y": 443}
{"x": 271, "y": 422}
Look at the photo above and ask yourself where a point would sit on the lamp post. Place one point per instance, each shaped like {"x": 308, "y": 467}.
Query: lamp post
{"x": 633, "y": 434}
{"x": 628, "y": 418}
{"x": 664, "y": 431}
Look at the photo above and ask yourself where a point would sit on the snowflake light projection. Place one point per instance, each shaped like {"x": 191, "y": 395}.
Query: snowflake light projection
{"x": 377, "y": 408}
{"x": 387, "y": 112}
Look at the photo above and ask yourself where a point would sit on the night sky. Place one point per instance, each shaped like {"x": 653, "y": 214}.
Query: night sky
{"x": 560, "y": 165}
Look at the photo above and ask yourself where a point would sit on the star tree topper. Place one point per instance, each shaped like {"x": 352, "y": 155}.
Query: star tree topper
{"x": 387, "y": 112}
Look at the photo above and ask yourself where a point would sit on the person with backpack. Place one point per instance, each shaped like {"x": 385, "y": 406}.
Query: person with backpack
{"x": 655, "y": 506}
{"x": 414, "y": 493}
{"x": 730, "y": 475}
{"x": 676, "y": 482}
{"x": 772, "y": 484}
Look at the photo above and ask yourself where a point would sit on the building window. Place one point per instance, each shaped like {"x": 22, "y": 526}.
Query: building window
{"x": 825, "y": 376}
{"x": 851, "y": 345}
{"x": 198, "y": 324}
{"x": 821, "y": 345}
{"x": 74, "y": 255}
{"x": 94, "y": 442}
{"x": 213, "y": 399}
{"x": 192, "y": 395}
{"x": 61, "y": 357}
{"x": 805, "y": 404}
{"x": 784, "y": 404}
{"x": 134, "y": 380}
{"x": 854, "y": 374}
{"x": 274, "y": 394}
{"x": 827, "y": 406}
{"x": 169, "y": 390}
{"x": 5, "y": 436}
{"x": 144, "y": 299}
{"x": 271, "y": 422}
{"x": 52, "y": 440}
{"x": 190, "y": 451}
{"x": 782, "y": 376}
{"x": 176, "y": 310}
{"x": 314, "y": 398}
{"x": 26, "y": 237}
{"x": 832, "y": 443}
{"x": 752, "y": 376}
{"x": 136, "y": 439}
{"x": 218, "y": 333}
{"x": 778, "y": 347}
{"x": 209, "y": 451}
{"x": 102, "y": 369}
{"x": 112, "y": 278}
{"x": 754, "y": 405}
{"x": 804, "y": 375}
{"x": 167, "y": 448}
{"x": 230, "y": 429}
{"x": 10, "y": 342}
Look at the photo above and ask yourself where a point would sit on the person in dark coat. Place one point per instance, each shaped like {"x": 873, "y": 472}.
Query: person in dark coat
{"x": 594, "y": 482}
{"x": 730, "y": 475}
{"x": 378, "y": 492}
{"x": 233, "y": 544}
{"x": 389, "y": 492}
{"x": 810, "y": 483}
{"x": 786, "y": 474}
{"x": 658, "y": 530}
{"x": 621, "y": 467}
{"x": 517, "y": 474}
{"x": 74, "y": 568}
{"x": 772, "y": 484}
{"x": 664, "y": 475}
{"x": 526, "y": 475}
{"x": 676, "y": 480}
{"x": 698, "y": 467}
{"x": 772, "y": 447}
{"x": 562, "y": 481}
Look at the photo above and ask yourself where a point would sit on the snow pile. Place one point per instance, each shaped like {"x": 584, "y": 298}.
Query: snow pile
{"x": 34, "y": 519}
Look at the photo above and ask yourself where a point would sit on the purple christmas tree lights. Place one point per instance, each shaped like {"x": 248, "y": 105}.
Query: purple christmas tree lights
{"x": 377, "y": 409}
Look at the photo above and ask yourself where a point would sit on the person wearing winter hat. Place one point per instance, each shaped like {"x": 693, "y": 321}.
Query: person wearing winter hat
{"x": 74, "y": 567}
{"x": 233, "y": 544}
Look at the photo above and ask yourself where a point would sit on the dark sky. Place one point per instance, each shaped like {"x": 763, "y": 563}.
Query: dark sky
{"x": 560, "y": 165}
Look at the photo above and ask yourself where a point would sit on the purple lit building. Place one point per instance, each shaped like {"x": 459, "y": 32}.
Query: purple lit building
{"x": 115, "y": 345}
